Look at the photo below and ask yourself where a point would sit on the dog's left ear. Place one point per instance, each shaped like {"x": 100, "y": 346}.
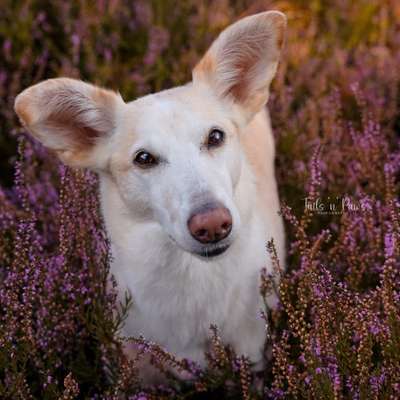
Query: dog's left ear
{"x": 242, "y": 61}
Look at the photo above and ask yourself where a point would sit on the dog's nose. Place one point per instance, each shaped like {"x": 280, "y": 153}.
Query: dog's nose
{"x": 210, "y": 225}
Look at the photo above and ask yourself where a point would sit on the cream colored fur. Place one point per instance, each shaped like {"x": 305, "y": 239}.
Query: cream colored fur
{"x": 177, "y": 293}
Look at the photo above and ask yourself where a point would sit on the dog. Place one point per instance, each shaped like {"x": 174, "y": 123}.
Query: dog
{"x": 187, "y": 187}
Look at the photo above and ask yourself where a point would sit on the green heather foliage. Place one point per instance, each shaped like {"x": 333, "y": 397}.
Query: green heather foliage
{"x": 335, "y": 108}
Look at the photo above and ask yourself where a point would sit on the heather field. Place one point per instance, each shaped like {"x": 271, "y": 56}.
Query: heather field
{"x": 335, "y": 108}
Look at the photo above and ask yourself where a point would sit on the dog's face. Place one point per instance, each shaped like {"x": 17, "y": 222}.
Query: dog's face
{"x": 175, "y": 156}
{"x": 177, "y": 162}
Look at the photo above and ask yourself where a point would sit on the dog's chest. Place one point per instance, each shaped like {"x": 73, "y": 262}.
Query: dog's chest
{"x": 176, "y": 296}
{"x": 172, "y": 297}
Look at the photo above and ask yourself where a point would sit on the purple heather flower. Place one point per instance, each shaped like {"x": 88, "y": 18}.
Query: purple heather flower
{"x": 389, "y": 245}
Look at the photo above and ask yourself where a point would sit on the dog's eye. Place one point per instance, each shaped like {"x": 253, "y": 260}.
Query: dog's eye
{"x": 144, "y": 159}
{"x": 215, "y": 138}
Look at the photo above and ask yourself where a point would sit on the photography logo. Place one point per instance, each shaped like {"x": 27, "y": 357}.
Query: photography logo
{"x": 335, "y": 205}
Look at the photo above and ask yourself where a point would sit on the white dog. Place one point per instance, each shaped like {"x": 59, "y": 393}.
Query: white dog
{"x": 188, "y": 191}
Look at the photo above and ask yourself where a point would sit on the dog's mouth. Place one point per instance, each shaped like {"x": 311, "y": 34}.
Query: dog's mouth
{"x": 213, "y": 252}
{"x": 206, "y": 252}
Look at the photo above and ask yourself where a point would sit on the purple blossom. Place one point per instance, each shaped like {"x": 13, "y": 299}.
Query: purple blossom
{"x": 389, "y": 245}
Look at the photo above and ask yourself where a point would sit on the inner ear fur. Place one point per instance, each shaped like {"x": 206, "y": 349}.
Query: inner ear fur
{"x": 70, "y": 117}
{"x": 242, "y": 61}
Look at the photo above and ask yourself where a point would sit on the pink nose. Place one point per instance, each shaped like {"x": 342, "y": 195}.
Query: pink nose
{"x": 211, "y": 225}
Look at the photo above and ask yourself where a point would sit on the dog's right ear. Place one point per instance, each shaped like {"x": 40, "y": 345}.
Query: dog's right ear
{"x": 70, "y": 117}
{"x": 242, "y": 61}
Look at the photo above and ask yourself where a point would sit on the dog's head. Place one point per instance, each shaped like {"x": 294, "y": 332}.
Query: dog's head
{"x": 175, "y": 156}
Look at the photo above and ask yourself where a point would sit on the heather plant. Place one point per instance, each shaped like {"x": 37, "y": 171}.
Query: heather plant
{"x": 335, "y": 111}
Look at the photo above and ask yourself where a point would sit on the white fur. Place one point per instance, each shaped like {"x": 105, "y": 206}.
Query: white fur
{"x": 177, "y": 293}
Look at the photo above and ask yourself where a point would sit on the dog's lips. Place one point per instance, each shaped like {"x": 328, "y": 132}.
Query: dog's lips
{"x": 213, "y": 252}
{"x": 206, "y": 252}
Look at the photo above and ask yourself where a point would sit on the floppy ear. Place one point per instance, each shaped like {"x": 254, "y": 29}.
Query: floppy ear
{"x": 71, "y": 117}
{"x": 242, "y": 61}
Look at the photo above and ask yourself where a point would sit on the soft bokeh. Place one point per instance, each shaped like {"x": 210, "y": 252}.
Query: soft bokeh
{"x": 335, "y": 108}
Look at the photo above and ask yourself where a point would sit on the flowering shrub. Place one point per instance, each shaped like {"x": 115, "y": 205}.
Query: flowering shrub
{"x": 335, "y": 111}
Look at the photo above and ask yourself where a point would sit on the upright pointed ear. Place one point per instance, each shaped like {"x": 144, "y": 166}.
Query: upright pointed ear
{"x": 242, "y": 61}
{"x": 71, "y": 117}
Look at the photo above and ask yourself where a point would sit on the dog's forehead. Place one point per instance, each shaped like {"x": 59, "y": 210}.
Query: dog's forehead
{"x": 178, "y": 111}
